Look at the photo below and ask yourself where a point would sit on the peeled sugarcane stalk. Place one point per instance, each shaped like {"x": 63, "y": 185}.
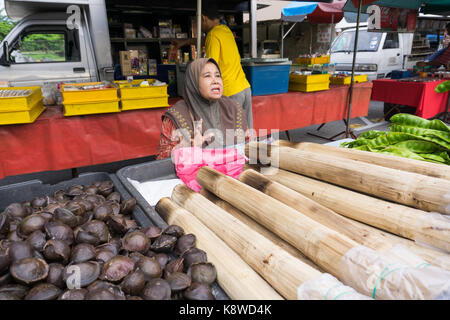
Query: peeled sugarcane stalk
{"x": 421, "y": 167}
{"x": 257, "y": 227}
{"x": 357, "y": 231}
{"x": 282, "y": 270}
{"x": 236, "y": 277}
{"x": 355, "y": 265}
{"x": 411, "y": 189}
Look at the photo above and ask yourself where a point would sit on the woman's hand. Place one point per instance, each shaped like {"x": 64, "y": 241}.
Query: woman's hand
{"x": 199, "y": 139}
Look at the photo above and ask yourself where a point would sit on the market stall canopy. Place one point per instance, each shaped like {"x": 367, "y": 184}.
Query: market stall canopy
{"x": 327, "y": 12}
{"x": 316, "y": 12}
{"x": 352, "y": 5}
{"x": 439, "y": 7}
{"x": 297, "y": 11}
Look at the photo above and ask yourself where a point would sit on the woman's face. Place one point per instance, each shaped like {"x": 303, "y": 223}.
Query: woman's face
{"x": 210, "y": 83}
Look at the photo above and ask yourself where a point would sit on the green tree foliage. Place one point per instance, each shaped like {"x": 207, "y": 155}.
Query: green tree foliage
{"x": 5, "y": 24}
{"x": 43, "y": 42}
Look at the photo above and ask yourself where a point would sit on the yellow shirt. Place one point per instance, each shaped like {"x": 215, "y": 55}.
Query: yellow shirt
{"x": 221, "y": 46}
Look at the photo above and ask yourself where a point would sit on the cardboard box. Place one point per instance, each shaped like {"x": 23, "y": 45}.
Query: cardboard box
{"x": 125, "y": 63}
{"x": 152, "y": 67}
{"x": 143, "y": 64}
{"x": 133, "y": 63}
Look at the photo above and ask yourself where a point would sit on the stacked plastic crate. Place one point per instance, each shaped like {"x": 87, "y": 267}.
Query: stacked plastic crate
{"x": 20, "y": 104}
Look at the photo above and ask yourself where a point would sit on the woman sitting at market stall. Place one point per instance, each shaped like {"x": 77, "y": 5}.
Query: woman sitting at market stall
{"x": 205, "y": 117}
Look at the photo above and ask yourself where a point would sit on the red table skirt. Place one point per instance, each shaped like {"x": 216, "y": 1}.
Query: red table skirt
{"x": 55, "y": 142}
{"x": 420, "y": 95}
{"x": 297, "y": 109}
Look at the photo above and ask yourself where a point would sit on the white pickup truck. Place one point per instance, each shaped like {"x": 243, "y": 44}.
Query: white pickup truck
{"x": 379, "y": 53}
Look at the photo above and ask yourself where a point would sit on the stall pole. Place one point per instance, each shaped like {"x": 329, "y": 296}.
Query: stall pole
{"x": 199, "y": 28}
{"x": 253, "y": 29}
{"x": 282, "y": 37}
{"x": 331, "y": 31}
{"x": 347, "y": 130}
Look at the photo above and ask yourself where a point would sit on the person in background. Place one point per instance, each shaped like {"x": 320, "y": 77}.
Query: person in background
{"x": 441, "y": 56}
{"x": 221, "y": 46}
{"x": 203, "y": 108}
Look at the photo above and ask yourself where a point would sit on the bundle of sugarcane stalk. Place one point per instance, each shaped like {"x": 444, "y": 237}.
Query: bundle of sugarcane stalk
{"x": 358, "y": 266}
{"x": 322, "y": 223}
{"x": 285, "y": 270}
{"x": 403, "y": 220}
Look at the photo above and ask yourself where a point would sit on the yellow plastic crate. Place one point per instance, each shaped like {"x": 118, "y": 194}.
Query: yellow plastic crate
{"x": 140, "y": 92}
{"x": 78, "y": 109}
{"x": 347, "y": 80}
{"x": 316, "y": 60}
{"x": 308, "y": 79}
{"x": 20, "y": 117}
{"x": 309, "y": 87}
{"x": 155, "y": 102}
{"x": 25, "y": 103}
{"x": 86, "y": 96}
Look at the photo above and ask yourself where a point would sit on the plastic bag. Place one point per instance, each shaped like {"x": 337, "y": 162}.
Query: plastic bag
{"x": 189, "y": 160}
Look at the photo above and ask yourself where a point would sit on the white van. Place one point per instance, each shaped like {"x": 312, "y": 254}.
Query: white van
{"x": 379, "y": 53}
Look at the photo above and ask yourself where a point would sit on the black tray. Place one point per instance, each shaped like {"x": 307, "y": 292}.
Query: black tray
{"x": 27, "y": 190}
{"x": 154, "y": 171}
{"x": 143, "y": 172}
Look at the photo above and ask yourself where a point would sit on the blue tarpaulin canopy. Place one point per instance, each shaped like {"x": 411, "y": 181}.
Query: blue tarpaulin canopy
{"x": 297, "y": 11}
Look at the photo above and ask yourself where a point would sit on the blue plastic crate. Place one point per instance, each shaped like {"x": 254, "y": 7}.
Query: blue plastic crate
{"x": 168, "y": 74}
{"x": 400, "y": 74}
{"x": 268, "y": 78}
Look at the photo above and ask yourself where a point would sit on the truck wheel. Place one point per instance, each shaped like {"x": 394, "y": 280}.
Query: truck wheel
{"x": 389, "y": 112}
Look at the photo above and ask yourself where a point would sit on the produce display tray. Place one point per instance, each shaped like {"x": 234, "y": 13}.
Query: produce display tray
{"x": 143, "y": 172}
{"x": 308, "y": 79}
{"x": 316, "y": 60}
{"x": 145, "y": 103}
{"x": 309, "y": 87}
{"x": 78, "y": 109}
{"x": 83, "y": 96}
{"x": 22, "y": 117}
{"x": 27, "y": 190}
{"x": 347, "y": 80}
{"x": 25, "y": 103}
{"x": 140, "y": 92}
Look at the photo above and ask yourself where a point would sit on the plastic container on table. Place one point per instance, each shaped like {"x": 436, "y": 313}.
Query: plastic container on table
{"x": 90, "y": 95}
{"x": 23, "y": 191}
{"x": 267, "y": 76}
{"x": 24, "y": 103}
{"x": 313, "y": 60}
{"x": 309, "y": 83}
{"x": 168, "y": 73}
{"x": 94, "y": 107}
{"x": 130, "y": 91}
{"x": 133, "y": 97}
{"x": 22, "y": 117}
{"x": 347, "y": 80}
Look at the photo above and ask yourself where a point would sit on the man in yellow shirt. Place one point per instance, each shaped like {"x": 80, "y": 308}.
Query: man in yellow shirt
{"x": 221, "y": 46}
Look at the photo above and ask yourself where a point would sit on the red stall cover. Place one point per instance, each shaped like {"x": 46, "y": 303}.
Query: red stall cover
{"x": 55, "y": 142}
{"x": 328, "y": 12}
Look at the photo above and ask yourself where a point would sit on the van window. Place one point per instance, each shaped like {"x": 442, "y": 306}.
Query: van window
{"x": 391, "y": 41}
{"x": 367, "y": 41}
{"x": 34, "y": 46}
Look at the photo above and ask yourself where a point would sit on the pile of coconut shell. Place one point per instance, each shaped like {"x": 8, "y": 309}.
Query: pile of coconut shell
{"x": 83, "y": 244}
